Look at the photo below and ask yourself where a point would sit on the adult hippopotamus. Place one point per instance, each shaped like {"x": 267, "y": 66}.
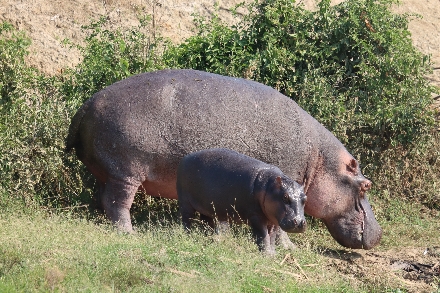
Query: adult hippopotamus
{"x": 134, "y": 133}
{"x": 224, "y": 185}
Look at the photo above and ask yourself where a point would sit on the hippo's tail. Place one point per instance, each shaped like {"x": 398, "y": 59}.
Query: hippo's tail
{"x": 73, "y": 139}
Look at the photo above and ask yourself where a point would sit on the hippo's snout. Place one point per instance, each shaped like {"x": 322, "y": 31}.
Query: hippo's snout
{"x": 293, "y": 225}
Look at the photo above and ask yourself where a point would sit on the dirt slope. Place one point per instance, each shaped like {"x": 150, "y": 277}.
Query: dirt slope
{"x": 49, "y": 22}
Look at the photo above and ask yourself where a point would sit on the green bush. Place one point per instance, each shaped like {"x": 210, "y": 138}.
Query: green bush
{"x": 15, "y": 77}
{"x": 110, "y": 55}
{"x": 33, "y": 124}
{"x": 352, "y": 66}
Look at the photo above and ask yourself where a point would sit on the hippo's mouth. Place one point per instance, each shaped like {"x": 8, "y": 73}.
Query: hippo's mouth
{"x": 295, "y": 225}
{"x": 357, "y": 229}
{"x": 365, "y": 228}
{"x": 360, "y": 226}
{"x": 350, "y": 231}
{"x": 362, "y": 215}
{"x": 361, "y": 233}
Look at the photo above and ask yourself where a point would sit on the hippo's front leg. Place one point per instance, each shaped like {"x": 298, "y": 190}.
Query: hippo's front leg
{"x": 282, "y": 239}
{"x": 117, "y": 199}
{"x": 263, "y": 237}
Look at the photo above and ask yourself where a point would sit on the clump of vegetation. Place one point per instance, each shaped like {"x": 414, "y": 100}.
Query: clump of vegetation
{"x": 352, "y": 66}
{"x": 33, "y": 120}
{"x": 111, "y": 54}
{"x": 15, "y": 76}
{"x": 36, "y": 110}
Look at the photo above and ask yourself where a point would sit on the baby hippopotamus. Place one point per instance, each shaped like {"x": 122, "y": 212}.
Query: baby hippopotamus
{"x": 224, "y": 185}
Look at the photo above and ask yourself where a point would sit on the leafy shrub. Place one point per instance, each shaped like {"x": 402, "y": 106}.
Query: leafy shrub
{"x": 33, "y": 123}
{"x": 352, "y": 66}
{"x": 110, "y": 55}
{"x": 15, "y": 76}
{"x": 411, "y": 173}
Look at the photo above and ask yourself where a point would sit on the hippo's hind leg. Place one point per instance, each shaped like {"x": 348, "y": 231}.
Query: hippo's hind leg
{"x": 186, "y": 211}
{"x": 117, "y": 199}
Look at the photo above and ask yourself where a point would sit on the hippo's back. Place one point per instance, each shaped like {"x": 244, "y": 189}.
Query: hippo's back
{"x": 142, "y": 126}
{"x": 217, "y": 169}
{"x": 219, "y": 174}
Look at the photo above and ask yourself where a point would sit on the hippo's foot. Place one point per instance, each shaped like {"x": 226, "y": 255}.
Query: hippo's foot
{"x": 268, "y": 250}
{"x": 120, "y": 218}
{"x": 283, "y": 240}
{"x": 116, "y": 201}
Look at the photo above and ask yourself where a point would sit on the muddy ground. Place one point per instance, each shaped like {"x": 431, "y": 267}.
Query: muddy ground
{"x": 48, "y": 23}
{"x": 415, "y": 268}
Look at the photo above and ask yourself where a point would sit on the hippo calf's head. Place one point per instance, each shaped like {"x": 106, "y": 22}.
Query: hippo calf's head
{"x": 284, "y": 204}
{"x": 337, "y": 195}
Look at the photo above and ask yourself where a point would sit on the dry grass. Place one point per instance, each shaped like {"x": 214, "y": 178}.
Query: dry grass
{"x": 42, "y": 252}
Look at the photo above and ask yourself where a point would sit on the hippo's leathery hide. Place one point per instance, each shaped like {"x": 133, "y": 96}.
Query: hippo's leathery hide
{"x": 134, "y": 133}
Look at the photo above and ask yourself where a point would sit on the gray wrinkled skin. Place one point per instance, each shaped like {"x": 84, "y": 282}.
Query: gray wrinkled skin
{"x": 224, "y": 185}
{"x": 134, "y": 133}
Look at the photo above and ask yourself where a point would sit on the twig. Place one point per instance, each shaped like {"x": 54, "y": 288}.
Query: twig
{"x": 288, "y": 273}
{"x": 296, "y": 263}
{"x": 299, "y": 267}
{"x": 436, "y": 68}
{"x": 436, "y": 98}
{"x": 285, "y": 258}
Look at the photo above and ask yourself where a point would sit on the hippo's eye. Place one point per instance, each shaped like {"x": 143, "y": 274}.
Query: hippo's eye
{"x": 286, "y": 198}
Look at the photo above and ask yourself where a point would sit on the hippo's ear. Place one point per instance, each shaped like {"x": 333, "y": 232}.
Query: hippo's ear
{"x": 352, "y": 167}
{"x": 278, "y": 182}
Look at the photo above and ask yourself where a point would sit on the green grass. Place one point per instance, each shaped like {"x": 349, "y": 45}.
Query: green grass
{"x": 408, "y": 224}
{"x": 70, "y": 249}
{"x": 42, "y": 252}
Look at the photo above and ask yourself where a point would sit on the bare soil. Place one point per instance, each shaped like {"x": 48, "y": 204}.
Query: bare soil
{"x": 415, "y": 268}
{"x": 48, "y": 23}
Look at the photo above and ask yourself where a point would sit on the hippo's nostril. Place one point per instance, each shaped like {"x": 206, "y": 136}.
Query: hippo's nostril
{"x": 365, "y": 185}
{"x": 295, "y": 222}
